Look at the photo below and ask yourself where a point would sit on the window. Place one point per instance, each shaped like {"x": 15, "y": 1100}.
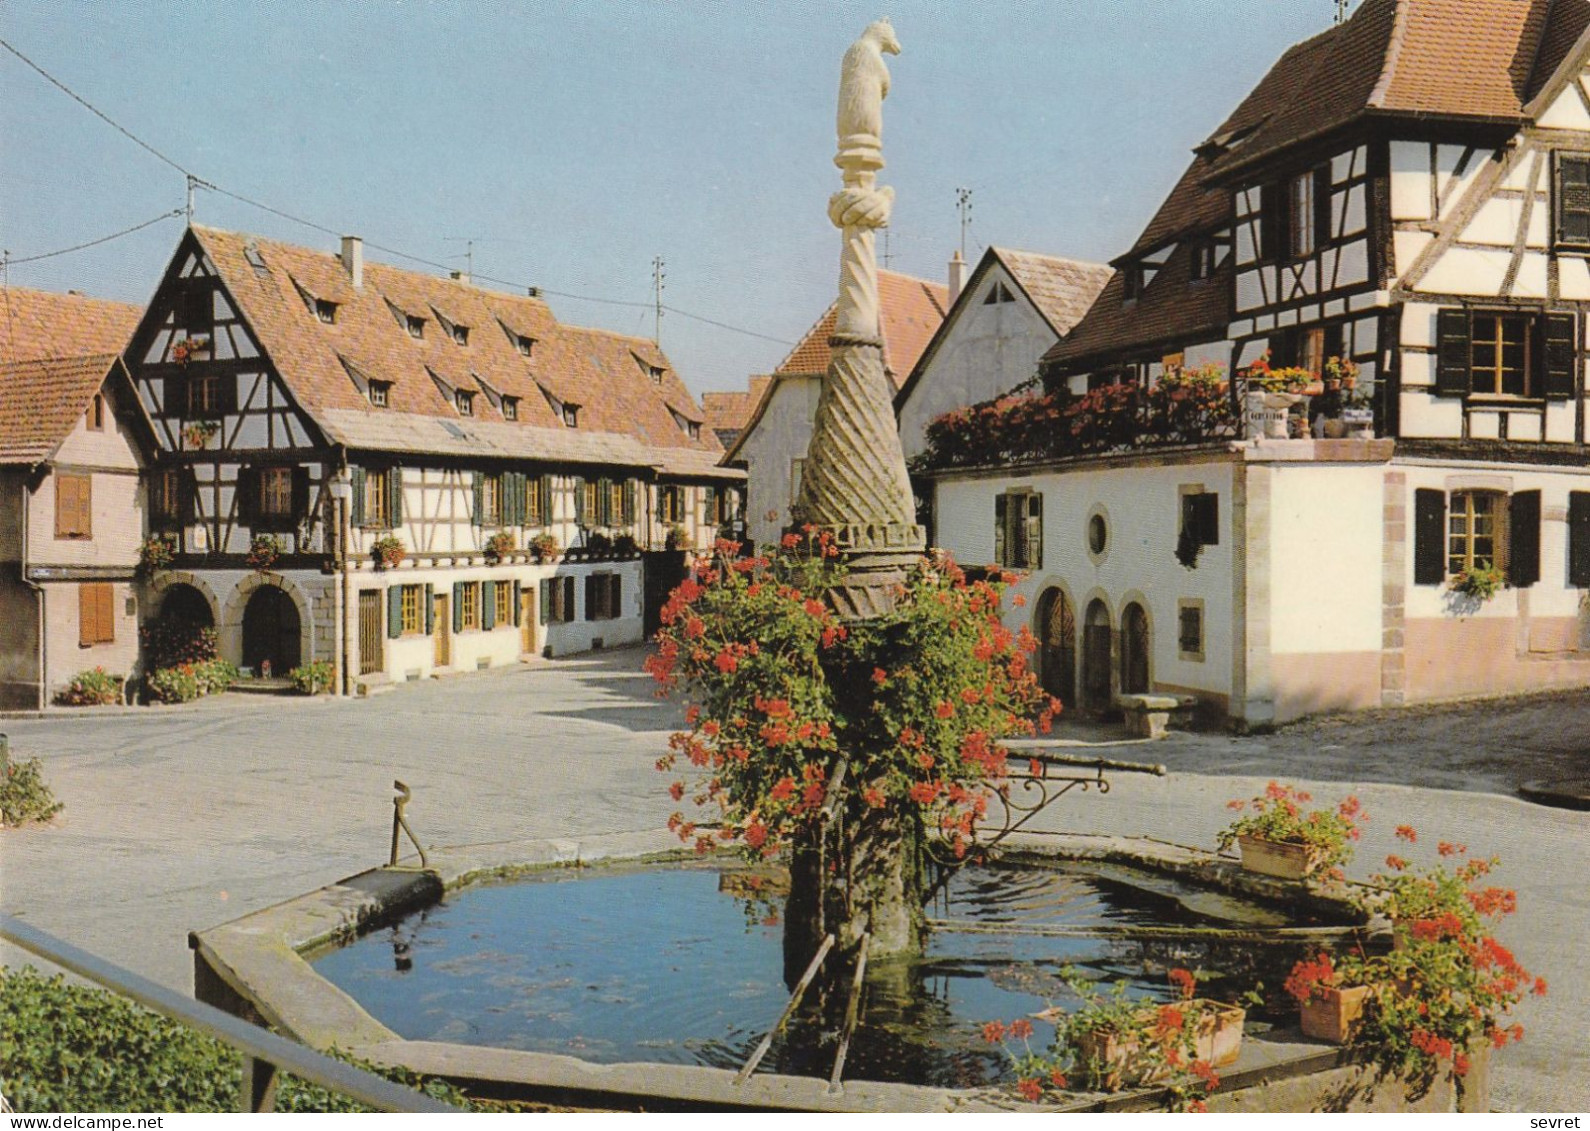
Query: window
{"x": 198, "y": 309}
{"x": 415, "y": 324}
{"x": 1473, "y": 531}
{"x": 1131, "y": 281}
{"x": 325, "y": 311}
{"x": 204, "y": 395}
{"x": 1098, "y": 534}
{"x": 412, "y": 610}
{"x": 538, "y": 501}
{"x": 502, "y": 602}
{"x": 693, "y": 430}
{"x": 1190, "y": 629}
{"x": 1018, "y": 529}
{"x": 1202, "y": 265}
{"x": 74, "y": 505}
{"x": 490, "y": 513}
{"x": 1476, "y": 528}
{"x": 1294, "y": 215}
{"x": 998, "y": 293}
{"x": 603, "y": 596}
{"x": 557, "y": 600}
{"x": 276, "y": 493}
{"x": 656, "y": 374}
{"x": 468, "y": 605}
{"x": 379, "y": 393}
{"x": 671, "y": 504}
{"x": 464, "y": 401}
{"x": 377, "y": 497}
{"x": 571, "y": 415}
{"x": 510, "y": 408}
{"x": 461, "y": 334}
{"x": 1573, "y": 200}
{"x": 525, "y": 345}
{"x": 1300, "y": 219}
{"x": 165, "y": 496}
{"x": 94, "y": 418}
{"x": 1511, "y": 353}
{"x": 96, "y": 613}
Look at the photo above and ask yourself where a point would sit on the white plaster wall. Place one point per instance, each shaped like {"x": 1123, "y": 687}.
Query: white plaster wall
{"x": 117, "y": 523}
{"x": 983, "y": 352}
{"x": 1325, "y": 566}
{"x": 783, "y": 434}
{"x": 1410, "y": 180}
{"x": 64, "y": 654}
{"x": 1143, "y": 509}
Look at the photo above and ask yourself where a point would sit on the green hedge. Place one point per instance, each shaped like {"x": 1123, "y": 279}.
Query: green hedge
{"x": 71, "y": 1048}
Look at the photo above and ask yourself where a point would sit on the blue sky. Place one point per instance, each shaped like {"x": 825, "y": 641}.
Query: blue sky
{"x": 575, "y": 141}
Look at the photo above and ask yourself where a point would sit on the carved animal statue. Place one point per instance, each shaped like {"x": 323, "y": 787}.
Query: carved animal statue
{"x": 864, "y": 82}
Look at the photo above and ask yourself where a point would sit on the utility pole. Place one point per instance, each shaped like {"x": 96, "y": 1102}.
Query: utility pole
{"x": 888, "y": 256}
{"x": 1342, "y": 7}
{"x": 963, "y": 204}
{"x": 192, "y": 181}
{"x": 657, "y": 277}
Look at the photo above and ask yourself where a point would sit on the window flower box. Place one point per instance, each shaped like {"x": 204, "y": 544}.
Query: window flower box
{"x": 1334, "y": 1014}
{"x": 1278, "y": 858}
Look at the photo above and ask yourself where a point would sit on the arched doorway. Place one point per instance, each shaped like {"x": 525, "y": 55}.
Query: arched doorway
{"x": 270, "y": 632}
{"x": 1134, "y": 650}
{"x": 1057, "y": 646}
{"x": 1096, "y": 657}
{"x": 180, "y": 632}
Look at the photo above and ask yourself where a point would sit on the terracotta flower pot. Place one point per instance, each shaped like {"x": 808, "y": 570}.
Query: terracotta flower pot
{"x": 1281, "y": 859}
{"x": 1334, "y": 1016}
{"x": 1108, "y": 1062}
{"x": 1218, "y": 1035}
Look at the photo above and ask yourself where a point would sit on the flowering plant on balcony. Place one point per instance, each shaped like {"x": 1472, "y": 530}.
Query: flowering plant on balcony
{"x": 544, "y": 548}
{"x": 156, "y": 553}
{"x": 1283, "y": 379}
{"x": 198, "y": 433}
{"x": 184, "y": 350}
{"x": 263, "y": 552}
{"x": 918, "y": 701}
{"x": 388, "y": 551}
{"x": 499, "y": 546}
{"x": 1481, "y": 582}
{"x": 1278, "y": 815}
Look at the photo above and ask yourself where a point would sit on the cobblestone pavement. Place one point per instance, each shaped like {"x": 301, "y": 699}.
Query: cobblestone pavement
{"x": 182, "y": 818}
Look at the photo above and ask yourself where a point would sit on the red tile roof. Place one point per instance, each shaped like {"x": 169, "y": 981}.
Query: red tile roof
{"x": 37, "y": 324}
{"x": 910, "y": 310}
{"x": 729, "y": 412}
{"x": 1061, "y": 289}
{"x": 41, "y": 401}
{"x": 610, "y": 376}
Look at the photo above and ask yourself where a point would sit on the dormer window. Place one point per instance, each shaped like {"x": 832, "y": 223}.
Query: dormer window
{"x": 1203, "y": 260}
{"x": 693, "y": 430}
{"x": 416, "y": 325}
{"x": 465, "y": 402}
{"x": 95, "y": 417}
{"x": 1131, "y": 282}
{"x": 524, "y": 344}
{"x": 325, "y": 311}
{"x": 461, "y": 334}
{"x": 571, "y": 415}
{"x": 378, "y": 393}
{"x": 510, "y": 408}
{"x": 656, "y": 374}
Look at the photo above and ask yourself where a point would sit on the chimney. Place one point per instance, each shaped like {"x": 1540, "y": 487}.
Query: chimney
{"x": 459, "y": 276}
{"x": 353, "y": 259}
{"x": 957, "y": 276}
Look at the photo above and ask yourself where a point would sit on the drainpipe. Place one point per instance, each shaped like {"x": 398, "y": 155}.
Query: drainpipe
{"x": 341, "y": 494}
{"x": 26, "y": 513}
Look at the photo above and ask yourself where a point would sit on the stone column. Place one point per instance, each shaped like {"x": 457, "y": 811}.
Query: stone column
{"x": 854, "y": 484}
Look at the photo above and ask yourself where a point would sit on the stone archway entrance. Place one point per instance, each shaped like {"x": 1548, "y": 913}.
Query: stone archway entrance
{"x": 1134, "y": 650}
{"x": 271, "y": 632}
{"x": 1057, "y": 646}
{"x": 1096, "y": 657}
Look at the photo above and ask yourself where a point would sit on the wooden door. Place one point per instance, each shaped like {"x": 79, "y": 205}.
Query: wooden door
{"x": 1096, "y": 654}
{"x": 1058, "y": 654}
{"x": 1134, "y": 651}
{"x": 527, "y": 619}
{"x": 442, "y": 634}
{"x": 371, "y": 634}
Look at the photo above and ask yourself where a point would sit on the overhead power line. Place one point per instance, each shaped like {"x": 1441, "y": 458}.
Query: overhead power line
{"x": 195, "y": 180}
{"x": 173, "y": 214}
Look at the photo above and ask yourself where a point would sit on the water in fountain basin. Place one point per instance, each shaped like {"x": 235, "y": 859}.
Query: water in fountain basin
{"x": 657, "y": 964}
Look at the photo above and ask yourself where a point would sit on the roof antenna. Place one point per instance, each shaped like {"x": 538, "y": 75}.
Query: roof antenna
{"x": 657, "y": 277}
{"x": 468, "y": 256}
{"x": 1342, "y": 8}
{"x": 192, "y": 182}
{"x": 963, "y": 203}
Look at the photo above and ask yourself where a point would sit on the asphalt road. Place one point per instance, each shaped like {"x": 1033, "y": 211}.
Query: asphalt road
{"x": 183, "y": 818}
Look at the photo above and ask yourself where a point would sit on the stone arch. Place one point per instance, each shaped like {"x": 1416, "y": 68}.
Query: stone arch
{"x": 1098, "y": 661}
{"x": 1137, "y": 647}
{"x": 1054, "y": 626}
{"x": 165, "y": 582}
{"x": 231, "y": 622}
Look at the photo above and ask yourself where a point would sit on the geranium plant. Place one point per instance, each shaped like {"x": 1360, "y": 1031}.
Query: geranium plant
{"x": 787, "y": 699}
{"x": 388, "y": 551}
{"x": 263, "y": 552}
{"x": 1277, "y": 815}
{"x": 196, "y": 434}
{"x": 184, "y": 350}
{"x": 499, "y": 546}
{"x": 1481, "y": 582}
{"x": 544, "y": 548}
{"x": 156, "y": 553}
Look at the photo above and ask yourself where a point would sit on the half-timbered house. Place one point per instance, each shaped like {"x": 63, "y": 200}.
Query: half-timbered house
{"x": 72, "y": 441}
{"x": 1408, "y": 191}
{"x": 403, "y": 474}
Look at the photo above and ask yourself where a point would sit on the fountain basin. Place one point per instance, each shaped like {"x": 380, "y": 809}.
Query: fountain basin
{"x": 256, "y": 967}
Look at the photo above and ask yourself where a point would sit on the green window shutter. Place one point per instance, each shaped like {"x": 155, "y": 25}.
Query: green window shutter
{"x": 394, "y": 496}
{"x": 1523, "y": 539}
{"x": 247, "y": 491}
{"x": 1001, "y": 502}
{"x": 709, "y": 496}
{"x": 568, "y": 598}
{"x": 1034, "y": 531}
{"x": 357, "y": 518}
{"x": 458, "y": 606}
{"x": 629, "y": 502}
{"x": 1452, "y": 353}
{"x": 430, "y": 610}
{"x": 1560, "y": 356}
{"x": 579, "y": 502}
{"x": 546, "y": 499}
{"x": 604, "y": 500}
{"x": 1573, "y": 200}
{"x": 1429, "y": 537}
{"x": 488, "y": 606}
{"x": 544, "y": 605}
{"x": 1579, "y": 539}
{"x": 518, "y": 616}
{"x": 478, "y": 489}
{"x": 394, "y": 611}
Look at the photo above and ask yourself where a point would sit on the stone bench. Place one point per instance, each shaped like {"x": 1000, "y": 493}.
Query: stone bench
{"x": 1148, "y": 715}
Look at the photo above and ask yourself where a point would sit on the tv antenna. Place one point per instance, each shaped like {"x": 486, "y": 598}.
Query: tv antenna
{"x": 963, "y": 204}
{"x": 467, "y": 255}
{"x": 658, "y": 274}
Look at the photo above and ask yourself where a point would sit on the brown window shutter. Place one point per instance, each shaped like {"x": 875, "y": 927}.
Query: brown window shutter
{"x": 1523, "y": 539}
{"x": 1560, "y": 356}
{"x": 107, "y": 613}
{"x": 1429, "y": 537}
{"x": 1452, "y": 353}
{"x": 87, "y": 615}
{"x": 1579, "y": 539}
